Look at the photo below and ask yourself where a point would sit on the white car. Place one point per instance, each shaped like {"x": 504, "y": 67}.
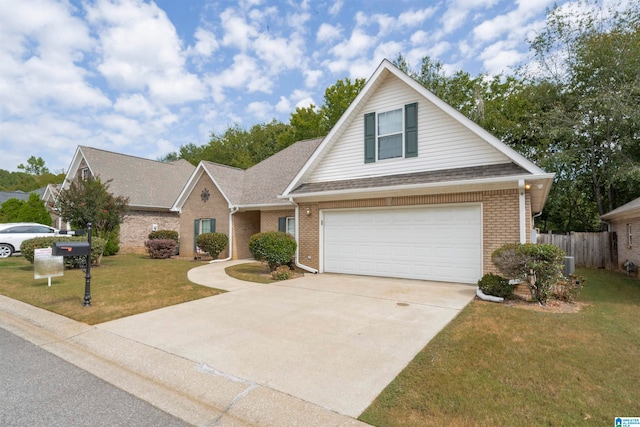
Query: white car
{"x": 13, "y": 234}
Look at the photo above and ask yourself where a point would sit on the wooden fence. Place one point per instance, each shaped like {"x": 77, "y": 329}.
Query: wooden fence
{"x": 593, "y": 250}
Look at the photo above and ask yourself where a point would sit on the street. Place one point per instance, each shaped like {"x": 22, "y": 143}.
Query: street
{"x": 39, "y": 389}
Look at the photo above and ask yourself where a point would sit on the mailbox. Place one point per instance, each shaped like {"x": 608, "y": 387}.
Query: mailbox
{"x": 71, "y": 249}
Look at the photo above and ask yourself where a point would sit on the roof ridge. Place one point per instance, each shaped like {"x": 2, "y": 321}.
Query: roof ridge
{"x": 173, "y": 162}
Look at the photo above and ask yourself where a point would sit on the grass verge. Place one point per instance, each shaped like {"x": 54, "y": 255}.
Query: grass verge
{"x": 122, "y": 286}
{"x": 501, "y": 365}
{"x": 257, "y": 272}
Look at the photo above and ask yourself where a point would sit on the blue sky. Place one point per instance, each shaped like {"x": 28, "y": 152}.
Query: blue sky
{"x": 145, "y": 77}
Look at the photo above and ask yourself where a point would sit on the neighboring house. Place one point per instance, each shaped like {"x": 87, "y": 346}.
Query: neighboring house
{"x": 20, "y": 195}
{"x": 403, "y": 186}
{"x": 625, "y": 222}
{"x": 49, "y": 198}
{"x": 240, "y": 203}
{"x": 151, "y": 186}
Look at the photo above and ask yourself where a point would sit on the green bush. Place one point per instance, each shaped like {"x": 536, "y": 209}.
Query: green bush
{"x": 498, "y": 286}
{"x": 164, "y": 234}
{"x": 540, "y": 265}
{"x": 112, "y": 246}
{"x": 97, "y": 248}
{"x": 276, "y": 248}
{"x": 282, "y": 272}
{"x": 160, "y": 248}
{"x": 212, "y": 243}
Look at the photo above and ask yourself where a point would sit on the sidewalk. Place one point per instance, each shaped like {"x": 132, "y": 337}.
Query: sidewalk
{"x": 195, "y": 393}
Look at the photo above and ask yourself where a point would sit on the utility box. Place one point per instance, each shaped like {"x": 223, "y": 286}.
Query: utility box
{"x": 569, "y": 266}
{"x": 71, "y": 249}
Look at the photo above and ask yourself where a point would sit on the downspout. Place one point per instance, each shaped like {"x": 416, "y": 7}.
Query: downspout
{"x": 297, "y": 259}
{"x": 231, "y": 212}
{"x": 523, "y": 211}
{"x": 533, "y": 225}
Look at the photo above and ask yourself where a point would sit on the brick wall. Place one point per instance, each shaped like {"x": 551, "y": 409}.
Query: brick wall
{"x": 216, "y": 207}
{"x": 269, "y": 219}
{"x": 136, "y": 226}
{"x": 626, "y": 252}
{"x": 500, "y": 218}
{"x": 245, "y": 224}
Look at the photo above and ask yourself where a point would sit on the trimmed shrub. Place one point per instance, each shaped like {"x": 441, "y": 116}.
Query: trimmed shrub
{"x": 112, "y": 246}
{"x": 282, "y": 272}
{"x": 498, "y": 286}
{"x": 212, "y": 243}
{"x": 160, "y": 248}
{"x": 163, "y": 234}
{"x": 167, "y": 234}
{"x": 540, "y": 265}
{"x": 568, "y": 289}
{"x": 97, "y": 249}
{"x": 276, "y": 248}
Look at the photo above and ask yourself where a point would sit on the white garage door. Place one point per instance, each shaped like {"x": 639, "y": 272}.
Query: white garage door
{"x": 442, "y": 243}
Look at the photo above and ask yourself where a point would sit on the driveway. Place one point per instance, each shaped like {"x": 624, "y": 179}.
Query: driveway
{"x": 333, "y": 340}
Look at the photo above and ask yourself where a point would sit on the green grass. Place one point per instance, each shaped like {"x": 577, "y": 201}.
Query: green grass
{"x": 501, "y": 365}
{"x": 122, "y": 286}
{"x": 257, "y": 272}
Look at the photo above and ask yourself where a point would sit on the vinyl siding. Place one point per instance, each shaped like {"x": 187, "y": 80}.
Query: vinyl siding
{"x": 443, "y": 143}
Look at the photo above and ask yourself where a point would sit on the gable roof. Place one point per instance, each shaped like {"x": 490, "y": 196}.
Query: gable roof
{"x": 149, "y": 184}
{"x": 525, "y": 170}
{"x": 258, "y": 186}
{"x": 628, "y": 210}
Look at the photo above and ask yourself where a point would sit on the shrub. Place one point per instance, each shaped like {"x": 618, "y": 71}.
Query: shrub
{"x": 540, "y": 265}
{"x": 276, "y": 248}
{"x": 164, "y": 234}
{"x": 568, "y": 289}
{"x": 498, "y": 286}
{"x": 212, "y": 243}
{"x": 97, "y": 249}
{"x": 112, "y": 246}
{"x": 282, "y": 272}
{"x": 160, "y": 248}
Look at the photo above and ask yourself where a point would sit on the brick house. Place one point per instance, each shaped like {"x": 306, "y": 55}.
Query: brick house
{"x": 402, "y": 186}
{"x": 625, "y": 222}
{"x": 151, "y": 186}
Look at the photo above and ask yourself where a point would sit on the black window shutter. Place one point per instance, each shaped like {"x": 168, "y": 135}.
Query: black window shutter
{"x": 282, "y": 224}
{"x": 370, "y": 137}
{"x": 411, "y": 130}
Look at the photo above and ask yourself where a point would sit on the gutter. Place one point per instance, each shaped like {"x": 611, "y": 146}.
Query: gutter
{"x": 233, "y": 210}
{"x": 297, "y": 259}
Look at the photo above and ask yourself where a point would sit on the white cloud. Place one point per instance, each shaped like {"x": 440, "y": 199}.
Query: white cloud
{"x": 357, "y": 45}
{"x": 328, "y": 32}
{"x": 336, "y": 7}
{"x": 311, "y": 78}
{"x": 283, "y": 106}
{"x": 261, "y": 110}
{"x": 237, "y": 32}
{"x": 500, "y": 57}
{"x": 413, "y": 18}
{"x": 206, "y": 42}
{"x": 134, "y": 105}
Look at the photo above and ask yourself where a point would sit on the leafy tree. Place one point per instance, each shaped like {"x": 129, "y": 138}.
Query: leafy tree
{"x": 34, "y": 166}
{"x": 31, "y": 210}
{"x": 337, "y": 98}
{"x": 10, "y": 210}
{"x": 591, "y": 56}
{"x": 89, "y": 201}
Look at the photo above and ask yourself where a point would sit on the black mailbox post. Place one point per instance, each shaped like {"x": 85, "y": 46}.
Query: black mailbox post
{"x": 78, "y": 249}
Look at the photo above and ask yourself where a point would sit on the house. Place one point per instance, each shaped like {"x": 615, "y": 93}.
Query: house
{"x": 238, "y": 202}
{"x": 49, "y": 197}
{"x": 151, "y": 186}
{"x": 402, "y": 186}
{"x": 625, "y": 222}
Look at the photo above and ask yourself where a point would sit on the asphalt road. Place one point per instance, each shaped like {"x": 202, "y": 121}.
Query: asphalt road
{"x": 38, "y": 388}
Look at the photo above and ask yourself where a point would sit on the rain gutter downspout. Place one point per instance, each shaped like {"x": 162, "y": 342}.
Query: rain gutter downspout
{"x": 297, "y": 259}
{"x": 231, "y": 212}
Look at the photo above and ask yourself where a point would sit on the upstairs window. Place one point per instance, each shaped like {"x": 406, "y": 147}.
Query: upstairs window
{"x": 84, "y": 173}
{"x": 391, "y": 134}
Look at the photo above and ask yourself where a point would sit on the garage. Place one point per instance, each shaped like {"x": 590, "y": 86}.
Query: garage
{"x": 442, "y": 243}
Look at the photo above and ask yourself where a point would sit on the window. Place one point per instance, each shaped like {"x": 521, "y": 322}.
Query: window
{"x": 201, "y": 226}
{"x": 391, "y": 134}
{"x": 84, "y": 173}
{"x": 629, "y": 236}
{"x": 287, "y": 225}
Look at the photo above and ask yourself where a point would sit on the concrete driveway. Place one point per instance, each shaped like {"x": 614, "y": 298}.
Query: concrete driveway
{"x": 333, "y": 340}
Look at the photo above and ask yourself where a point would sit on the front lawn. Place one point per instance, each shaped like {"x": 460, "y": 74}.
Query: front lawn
{"x": 123, "y": 285}
{"x": 501, "y": 365}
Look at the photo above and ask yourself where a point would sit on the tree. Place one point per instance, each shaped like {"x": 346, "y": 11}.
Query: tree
{"x": 89, "y": 201}
{"x": 591, "y": 55}
{"x": 337, "y": 98}
{"x": 31, "y": 210}
{"x": 35, "y": 166}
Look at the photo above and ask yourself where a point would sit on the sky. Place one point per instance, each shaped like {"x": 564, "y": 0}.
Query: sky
{"x": 146, "y": 77}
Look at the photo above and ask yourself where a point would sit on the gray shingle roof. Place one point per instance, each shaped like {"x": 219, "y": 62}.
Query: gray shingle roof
{"x": 147, "y": 183}
{"x": 449, "y": 175}
{"x": 262, "y": 183}
{"x": 628, "y": 208}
